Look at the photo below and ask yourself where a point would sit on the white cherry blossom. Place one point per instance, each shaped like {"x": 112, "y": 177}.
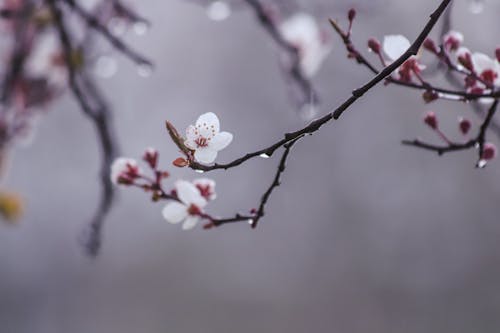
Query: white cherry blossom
{"x": 302, "y": 31}
{"x": 487, "y": 68}
{"x": 188, "y": 208}
{"x": 124, "y": 168}
{"x": 42, "y": 61}
{"x": 206, "y": 139}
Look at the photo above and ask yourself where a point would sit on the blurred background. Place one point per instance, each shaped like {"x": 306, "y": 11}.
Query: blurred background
{"x": 364, "y": 235}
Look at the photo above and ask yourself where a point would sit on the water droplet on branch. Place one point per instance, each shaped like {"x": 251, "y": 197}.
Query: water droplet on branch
{"x": 218, "y": 11}
{"x": 144, "y": 70}
{"x": 264, "y": 155}
{"x": 140, "y": 28}
{"x": 476, "y": 6}
{"x": 105, "y": 67}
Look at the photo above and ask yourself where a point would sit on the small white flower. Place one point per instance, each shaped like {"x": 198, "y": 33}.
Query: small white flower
{"x": 206, "y": 139}
{"x": 395, "y": 45}
{"x": 302, "y": 31}
{"x": 206, "y": 187}
{"x": 124, "y": 168}
{"x": 453, "y": 40}
{"x": 188, "y": 208}
{"x": 487, "y": 68}
{"x": 42, "y": 61}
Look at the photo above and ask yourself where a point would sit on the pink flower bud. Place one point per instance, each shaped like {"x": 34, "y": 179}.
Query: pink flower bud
{"x": 465, "y": 59}
{"x": 489, "y": 151}
{"x": 464, "y": 125}
{"x": 374, "y": 45}
{"x": 430, "y": 46}
{"x": 430, "y": 96}
{"x": 180, "y": 162}
{"x": 452, "y": 40}
{"x": 151, "y": 157}
{"x": 431, "y": 120}
{"x": 477, "y": 91}
{"x": 351, "y": 14}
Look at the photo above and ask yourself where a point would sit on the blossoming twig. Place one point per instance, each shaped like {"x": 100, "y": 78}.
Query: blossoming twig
{"x": 337, "y": 112}
{"x": 479, "y": 141}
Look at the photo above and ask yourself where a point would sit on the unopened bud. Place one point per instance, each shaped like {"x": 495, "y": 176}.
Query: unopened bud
{"x": 464, "y": 125}
{"x": 465, "y": 59}
{"x": 497, "y": 54}
{"x": 489, "y": 151}
{"x": 151, "y": 157}
{"x": 374, "y": 45}
{"x": 431, "y": 120}
{"x": 180, "y": 162}
{"x": 430, "y": 46}
{"x": 351, "y": 14}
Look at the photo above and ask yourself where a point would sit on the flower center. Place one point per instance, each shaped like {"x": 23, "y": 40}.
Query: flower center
{"x": 194, "y": 210}
{"x": 489, "y": 76}
{"x": 201, "y": 141}
{"x": 205, "y": 191}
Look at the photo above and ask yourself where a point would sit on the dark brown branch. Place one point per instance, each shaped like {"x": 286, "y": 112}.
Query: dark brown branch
{"x": 335, "y": 114}
{"x": 254, "y": 218}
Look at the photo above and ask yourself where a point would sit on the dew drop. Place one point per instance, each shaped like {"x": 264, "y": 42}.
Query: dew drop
{"x": 476, "y": 6}
{"x": 250, "y": 221}
{"x": 145, "y": 70}
{"x": 140, "y": 28}
{"x": 218, "y": 11}
{"x": 105, "y": 67}
{"x": 264, "y": 155}
{"x": 199, "y": 171}
{"x": 482, "y": 163}
{"x": 117, "y": 26}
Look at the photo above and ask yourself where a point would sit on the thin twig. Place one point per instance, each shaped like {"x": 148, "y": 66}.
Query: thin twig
{"x": 117, "y": 43}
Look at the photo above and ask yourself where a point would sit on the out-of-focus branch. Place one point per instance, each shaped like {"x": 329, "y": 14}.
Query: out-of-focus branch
{"x": 19, "y": 53}
{"x": 96, "y": 109}
{"x": 117, "y": 43}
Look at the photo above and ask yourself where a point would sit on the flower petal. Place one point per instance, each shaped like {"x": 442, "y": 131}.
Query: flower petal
{"x": 189, "y": 194}
{"x": 205, "y": 155}
{"x": 191, "y": 133}
{"x": 221, "y": 141}
{"x": 190, "y": 222}
{"x": 395, "y": 45}
{"x": 482, "y": 62}
{"x": 119, "y": 166}
{"x": 208, "y": 119}
{"x": 174, "y": 212}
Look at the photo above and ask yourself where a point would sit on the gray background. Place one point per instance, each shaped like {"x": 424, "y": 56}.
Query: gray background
{"x": 364, "y": 235}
